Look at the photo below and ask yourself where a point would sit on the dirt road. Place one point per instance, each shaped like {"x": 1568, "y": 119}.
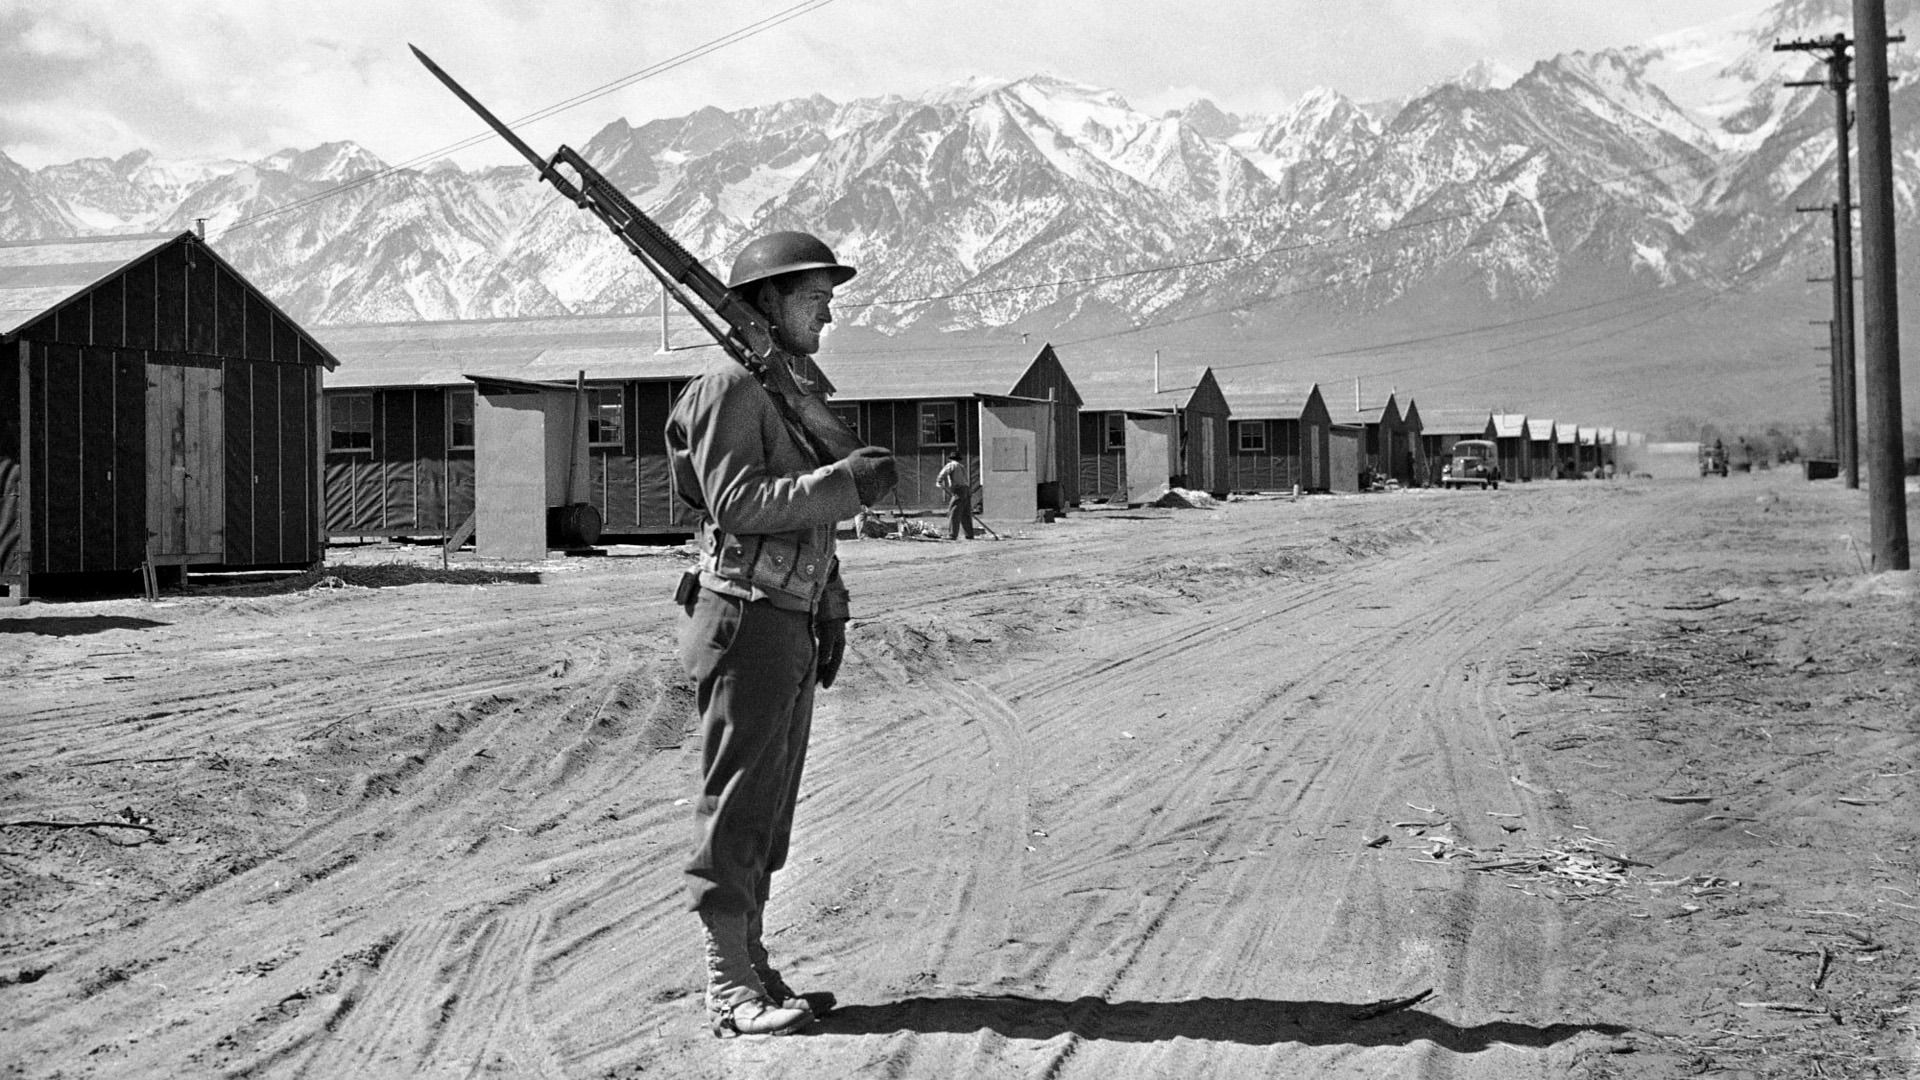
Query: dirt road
{"x": 1622, "y": 773}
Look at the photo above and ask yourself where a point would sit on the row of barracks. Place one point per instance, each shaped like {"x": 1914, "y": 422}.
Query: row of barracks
{"x": 156, "y": 409}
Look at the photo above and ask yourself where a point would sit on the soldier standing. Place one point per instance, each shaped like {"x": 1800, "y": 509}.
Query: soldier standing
{"x": 766, "y": 613}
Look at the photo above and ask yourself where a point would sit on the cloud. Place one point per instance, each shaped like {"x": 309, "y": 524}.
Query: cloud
{"x": 243, "y": 78}
{"x": 1439, "y": 23}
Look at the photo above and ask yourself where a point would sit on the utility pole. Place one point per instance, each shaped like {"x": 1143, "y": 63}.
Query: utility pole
{"x": 1846, "y": 438}
{"x": 1832, "y": 349}
{"x": 1887, "y": 493}
{"x": 1846, "y": 444}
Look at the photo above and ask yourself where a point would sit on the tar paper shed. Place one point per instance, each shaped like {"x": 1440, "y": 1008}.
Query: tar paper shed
{"x": 1144, "y": 429}
{"x": 1009, "y": 413}
{"x": 1278, "y": 438}
{"x": 155, "y": 409}
{"x": 401, "y": 413}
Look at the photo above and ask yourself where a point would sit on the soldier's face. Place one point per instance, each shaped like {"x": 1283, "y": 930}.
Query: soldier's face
{"x": 804, "y": 312}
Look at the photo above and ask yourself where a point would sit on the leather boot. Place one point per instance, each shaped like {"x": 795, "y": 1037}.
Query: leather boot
{"x": 737, "y": 1003}
{"x": 820, "y": 1001}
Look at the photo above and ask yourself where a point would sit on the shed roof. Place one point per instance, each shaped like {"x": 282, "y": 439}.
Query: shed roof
{"x": 1509, "y": 425}
{"x": 553, "y": 348}
{"x": 878, "y": 375}
{"x": 1540, "y": 428}
{"x": 1272, "y": 402}
{"x": 38, "y": 275}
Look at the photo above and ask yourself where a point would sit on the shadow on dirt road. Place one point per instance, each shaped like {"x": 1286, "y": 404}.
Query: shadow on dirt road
{"x": 1248, "y": 1021}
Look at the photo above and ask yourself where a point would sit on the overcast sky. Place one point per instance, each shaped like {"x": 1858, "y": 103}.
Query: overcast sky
{"x": 243, "y": 78}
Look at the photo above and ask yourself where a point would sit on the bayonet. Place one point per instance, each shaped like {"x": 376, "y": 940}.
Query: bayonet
{"x": 747, "y": 335}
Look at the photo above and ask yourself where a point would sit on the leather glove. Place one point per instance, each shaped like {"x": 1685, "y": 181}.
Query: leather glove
{"x": 874, "y": 472}
{"x": 831, "y": 635}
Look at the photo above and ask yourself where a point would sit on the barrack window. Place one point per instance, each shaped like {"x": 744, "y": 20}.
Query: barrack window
{"x": 460, "y": 420}
{"x": 350, "y": 423}
{"x": 606, "y": 416}
{"x": 939, "y": 424}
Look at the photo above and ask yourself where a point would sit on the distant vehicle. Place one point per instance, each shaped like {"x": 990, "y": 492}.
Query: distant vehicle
{"x": 1713, "y": 459}
{"x": 1476, "y": 462}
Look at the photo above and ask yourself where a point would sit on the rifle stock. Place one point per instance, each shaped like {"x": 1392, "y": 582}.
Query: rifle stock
{"x": 747, "y": 337}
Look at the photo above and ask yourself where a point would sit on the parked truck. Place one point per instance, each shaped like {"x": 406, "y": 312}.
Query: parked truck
{"x": 1476, "y": 463}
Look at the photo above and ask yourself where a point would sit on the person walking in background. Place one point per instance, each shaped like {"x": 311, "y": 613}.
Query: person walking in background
{"x": 953, "y": 480}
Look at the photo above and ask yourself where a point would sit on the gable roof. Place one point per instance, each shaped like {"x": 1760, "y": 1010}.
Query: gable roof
{"x": 1272, "y": 402}
{"x": 1372, "y": 412}
{"x": 1463, "y": 422}
{"x": 1125, "y": 382}
{"x": 1509, "y": 425}
{"x": 41, "y": 277}
{"x": 1540, "y": 429}
{"x": 37, "y": 276}
{"x": 999, "y": 371}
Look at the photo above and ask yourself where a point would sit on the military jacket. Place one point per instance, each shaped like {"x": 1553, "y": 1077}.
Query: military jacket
{"x": 770, "y": 505}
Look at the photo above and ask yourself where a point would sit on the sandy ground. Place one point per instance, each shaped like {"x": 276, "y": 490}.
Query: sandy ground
{"x": 1623, "y": 773}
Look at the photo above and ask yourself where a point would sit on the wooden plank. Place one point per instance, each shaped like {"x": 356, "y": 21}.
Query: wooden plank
{"x": 129, "y": 457}
{"x": 63, "y": 525}
{"x": 170, "y": 299}
{"x": 317, "y": 471}
{"x": 27, "y": 479}
{"x": 94, "y": 469}
{"x": 201, "y": 303}
{"x": 204, "y": 451}
{"x": 238, "y": 500}
{"x": 460, "y": 536}
{"x": 109, "y": 311}
{"x": 163, "y": 424}
{"x": 137, "y": 331}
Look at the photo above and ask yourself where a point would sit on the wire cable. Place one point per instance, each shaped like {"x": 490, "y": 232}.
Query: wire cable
{"x": 732, "y": 37}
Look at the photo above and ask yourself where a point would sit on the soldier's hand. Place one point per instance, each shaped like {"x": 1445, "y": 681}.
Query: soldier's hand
{"x": 831, "y": 635}
{"x": 874, "y": 472}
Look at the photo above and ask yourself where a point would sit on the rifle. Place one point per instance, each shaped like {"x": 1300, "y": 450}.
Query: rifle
{"x": 747, "y": 337}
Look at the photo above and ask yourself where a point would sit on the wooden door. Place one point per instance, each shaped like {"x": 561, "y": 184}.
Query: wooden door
{"x": 186, "y": 519}
{"x": 1010, "y": 462}
{"x": 1152, "y": 441}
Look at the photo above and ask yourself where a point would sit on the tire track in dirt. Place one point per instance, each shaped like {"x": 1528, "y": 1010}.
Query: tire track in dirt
{"x": 1367, "y": 745}
{"x": 1350, "y": 748}
{"x": 465, "y": 829}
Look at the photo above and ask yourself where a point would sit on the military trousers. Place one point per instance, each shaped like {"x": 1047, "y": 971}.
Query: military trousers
{"x": 753, "y": 670}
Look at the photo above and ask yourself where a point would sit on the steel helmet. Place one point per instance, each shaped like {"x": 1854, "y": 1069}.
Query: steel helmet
{"x": 783, "y": 253}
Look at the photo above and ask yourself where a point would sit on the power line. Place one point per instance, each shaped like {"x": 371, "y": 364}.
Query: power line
{"x": 732, "y": 37}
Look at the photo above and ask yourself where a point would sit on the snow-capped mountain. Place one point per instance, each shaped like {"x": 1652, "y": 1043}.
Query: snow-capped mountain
{"x": 1044, "y": 202}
